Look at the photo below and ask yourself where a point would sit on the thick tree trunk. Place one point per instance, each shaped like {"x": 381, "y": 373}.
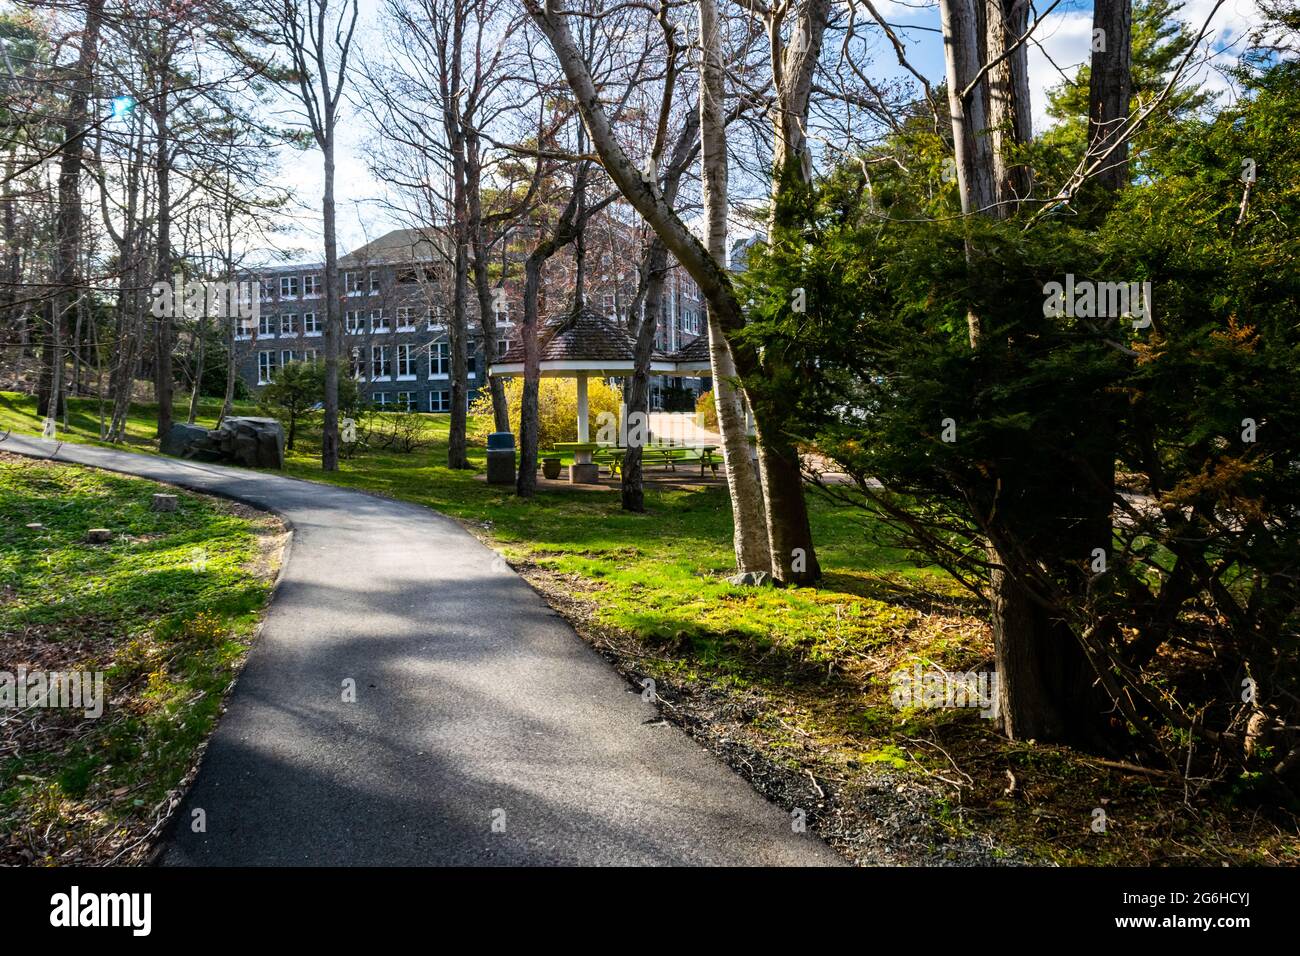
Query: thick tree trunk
{"x": 68, "y": 223}
{"x": 526, "y": 482}
{"x": 971, "y": 147}
{"x": 199, "y": 347}
{"x": 794, "y": 559}
{"x": 1010, "y": 116}
{"x": 163, "y": 340}
{"x": 636, "y": 395}
{"x": 1045, "y": 681}
{"x": 1110, "y": 86}
{"x": 753, "y": 551}
{"x": 647, "y": 307}
{"x": 458, "y": 325}
{"x": 483, "y": 284}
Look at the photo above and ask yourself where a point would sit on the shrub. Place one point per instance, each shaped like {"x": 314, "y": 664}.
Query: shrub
{"x": 704, "y": 407}
{"x": 557, "y": 407}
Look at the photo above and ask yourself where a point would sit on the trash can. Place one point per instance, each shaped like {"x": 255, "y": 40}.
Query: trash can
{"x": 501, "y": 458}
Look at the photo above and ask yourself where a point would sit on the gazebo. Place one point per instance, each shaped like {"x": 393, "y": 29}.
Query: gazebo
{"x": 583, "y": 344}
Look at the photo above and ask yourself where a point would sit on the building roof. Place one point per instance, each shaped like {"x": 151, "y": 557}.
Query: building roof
{"x": 585, "y": 341}
{"x": 395, "y": 247}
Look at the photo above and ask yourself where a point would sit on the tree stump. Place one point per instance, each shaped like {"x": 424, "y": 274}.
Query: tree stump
{"x": 99, "y": 536}
{"x": 163, "y": 503}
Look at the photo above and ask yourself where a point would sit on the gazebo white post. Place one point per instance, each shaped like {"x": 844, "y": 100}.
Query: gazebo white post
{"x": 583, "y": 431}
{"x": 583, "y": 469}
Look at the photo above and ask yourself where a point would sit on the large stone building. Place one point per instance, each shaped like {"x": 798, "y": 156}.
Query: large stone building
{"x": 396, "y": 301}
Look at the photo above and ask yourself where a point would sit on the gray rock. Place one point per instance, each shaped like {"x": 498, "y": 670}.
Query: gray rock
{"x": 756, "y": 579}
{"x": 179, "y": 437}
{"x": 253, "y": 442}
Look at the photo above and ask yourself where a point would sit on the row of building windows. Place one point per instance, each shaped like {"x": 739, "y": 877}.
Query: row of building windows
{"x": 357, "y": 322}
{"x": 309, "y": 285}
{"x": 381, "y": 365}
{"x": 438, "y": 401}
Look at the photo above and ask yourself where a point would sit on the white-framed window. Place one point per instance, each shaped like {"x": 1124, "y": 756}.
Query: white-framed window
{"x": 502, "y": 346}
{"x": 288, "y": 287}
{"x": 503, "y": 311}
{"x": 406, "y": 401}
{"x": 286, "y": 357}
{"x": 357, "y": 365}
{"x": 611, "y": 307}
{"x": 440, "y": 401}
{"x": 382, "y": 399}
{"x": 310, "y": 355}
{"x": 266, "y": 326}
{"x": 354, "y": 322}
{"x": 311, "y": 285}
{"x": 265, "y": 289}
{"x": 381, "y": 364}
{"x": 243, "y": 328}
{"x": 437, "y": 318}
{"x": 352, "y": 283}
{"x": 289, "y": 324}
{"x": 405, "y": 363}
{"x": 265, "y": 367}
{"x": 405, "y": 318}
{"x": 439, "y": 353}
{"x": 472, "y": 365}
{"x": 378, "y": 320}
{"x": 374, "y": 280}
{"x": 310, "y": 323}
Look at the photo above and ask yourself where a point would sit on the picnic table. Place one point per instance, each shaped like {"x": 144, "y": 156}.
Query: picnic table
{"x": 612, "y": 456}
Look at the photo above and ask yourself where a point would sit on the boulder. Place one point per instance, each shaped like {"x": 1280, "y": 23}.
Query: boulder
{"x": 179, "y": 437}
{"x": 252, "y": 442}
{"x": 757, "y": 579}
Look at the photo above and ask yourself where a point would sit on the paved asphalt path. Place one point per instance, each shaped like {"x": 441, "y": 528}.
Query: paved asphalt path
{"x": 475, "y": 702}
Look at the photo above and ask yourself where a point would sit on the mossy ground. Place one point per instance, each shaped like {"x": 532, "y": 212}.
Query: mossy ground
{"x": 165, "y": 610}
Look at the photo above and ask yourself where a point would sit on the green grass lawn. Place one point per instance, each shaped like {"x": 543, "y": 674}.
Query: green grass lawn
{"x": 660, "y": 573}
{"x": 165, "y": 611}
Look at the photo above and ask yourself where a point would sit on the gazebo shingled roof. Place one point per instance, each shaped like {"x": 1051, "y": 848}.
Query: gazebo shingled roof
{"x": 582, "y": 341}
{"x": 692, "y": 357}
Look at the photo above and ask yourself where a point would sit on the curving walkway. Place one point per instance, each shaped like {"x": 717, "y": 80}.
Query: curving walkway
{"x": 475, "y": 702}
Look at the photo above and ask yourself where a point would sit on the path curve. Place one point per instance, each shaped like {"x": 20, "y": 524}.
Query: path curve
{"x": 475, "y": 703}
